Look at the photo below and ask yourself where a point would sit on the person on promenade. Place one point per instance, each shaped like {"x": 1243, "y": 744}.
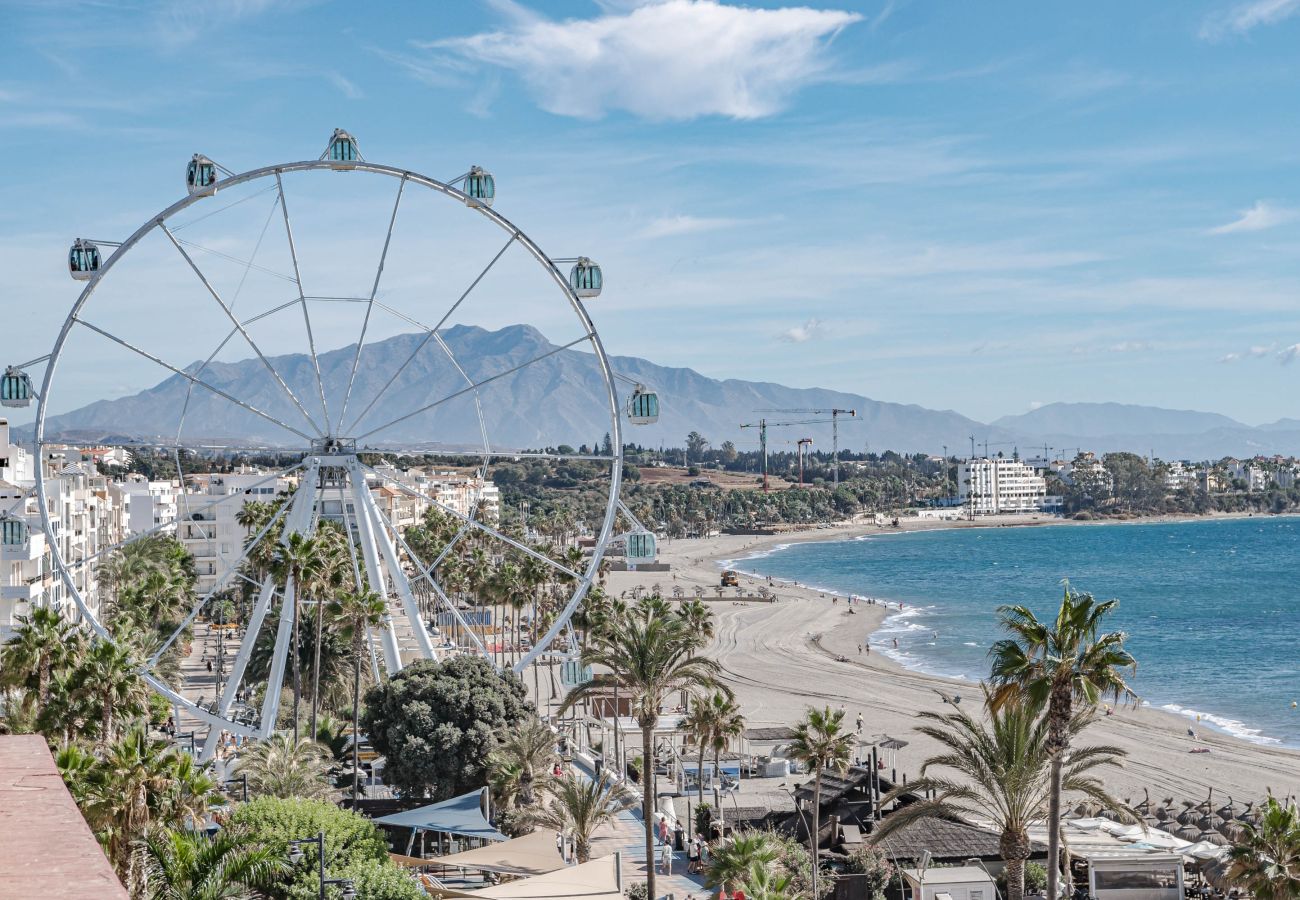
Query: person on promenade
{"x": 666, "y": 857}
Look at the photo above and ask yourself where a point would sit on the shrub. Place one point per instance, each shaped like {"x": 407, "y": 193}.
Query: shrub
{"x": 383, "y": 881}
{"x": 350, "y": 840}
{"x": 637, "y": 891}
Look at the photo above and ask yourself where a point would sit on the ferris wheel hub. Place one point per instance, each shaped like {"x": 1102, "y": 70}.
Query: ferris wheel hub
{"x": 334, "y": 446}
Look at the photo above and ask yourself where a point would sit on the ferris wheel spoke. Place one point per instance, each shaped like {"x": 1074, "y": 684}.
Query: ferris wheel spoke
{"x": 191, "y": 378}
{"x": 478, "y": 404}
{"x": 429, "y": 332}
{"x": 218, "y": 584}
{"x": 365, "y": 323}
{"x": 239, "y": 326}
{"x": 474, "y": 386}
{"x": 472, "y": 522}
{"x": 306, "y": 315}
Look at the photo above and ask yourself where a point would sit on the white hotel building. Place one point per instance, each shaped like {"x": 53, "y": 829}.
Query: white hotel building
{"x": 988, "y": 487}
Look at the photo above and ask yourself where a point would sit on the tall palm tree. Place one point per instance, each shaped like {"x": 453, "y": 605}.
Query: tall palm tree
{"x": 329, "y": 575}
{"x": 281, "y": 766}
{"x": 1058, "y": 665}
{"x": 700, "y": 722}
{"x": 110, "y": 673}
{"x": 998, "y": 770}
{"x": 525, "y": 755}
{"x": 820, "y": 742}
{"x": 190, "y": 865}
{"x": 1266, "y": 859}
{"x": 357, "y": 613}
{"x": 730, "y": 726}
{"x": 577, "y": 807}
{"x": 43, "y": 640}
{"x": 297, "y": 562}
{"x": 649, "y": 653}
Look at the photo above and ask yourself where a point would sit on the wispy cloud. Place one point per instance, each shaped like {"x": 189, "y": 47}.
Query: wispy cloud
{"x": 801, "y": 334}
{"x": 672, "y": 226}
{"x": 1287, "y": 355}
{"x": 1243, "y": 18}
{"x": 1132, "y": 347}
{"x": 671, "y": 60}
{"x": 1260, "y": 217}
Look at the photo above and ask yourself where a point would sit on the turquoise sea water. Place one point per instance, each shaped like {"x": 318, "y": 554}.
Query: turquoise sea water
{"x": 1212, "y": 607}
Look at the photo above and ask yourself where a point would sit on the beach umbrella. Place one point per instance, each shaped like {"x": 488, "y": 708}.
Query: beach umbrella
{"x": 1188, "y": 832}
{"x": 1161, "y": 814}
{"x": 1213, "y": 837}
{"x": 1227, "y": 812}
{"x": 1232, "y": 831}
{"x": 1206, "y": 823}
{"x": 1187, "y": 817}
{"x": 1082, "y": 809}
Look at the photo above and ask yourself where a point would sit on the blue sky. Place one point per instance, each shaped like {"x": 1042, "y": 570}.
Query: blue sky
{"x": 964, "y": 206}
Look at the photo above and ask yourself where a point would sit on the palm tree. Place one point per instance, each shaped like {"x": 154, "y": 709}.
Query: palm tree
{"x": 1266, "y": 860}
{"x": 110, "y": 673}
{"x": 577, "y": 807}
{"x": 524, "y": 757}
{"x": 1000, "y": 773}
{"x": 328, "y": 579}
{"x": 189, "y": 865}
{"x": 700, "y": 722}
{"x": 715, "y": 721}
{"x": 765, "y": 883}
{"x": 356, "y": 613}
{"x": 649, "y": 653}
{"x": 297, "y": 562}
{"x": 43, "y": 640}
{"x": 820, "y": 742}
{"x": 281, "y": 766}
{"x": 735, "y": 859}
{"x": 1056, "y": 665}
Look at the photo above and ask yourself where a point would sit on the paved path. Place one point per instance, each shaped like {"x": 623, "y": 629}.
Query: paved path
{"x": 627, "y": 835}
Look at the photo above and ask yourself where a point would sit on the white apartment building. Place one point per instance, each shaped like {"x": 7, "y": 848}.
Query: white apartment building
{"x": 84, "y": 520}
{"x": 152, "y": 503}
{"x": 1179, "y": 475}
{"x": 210, "y": 529}
{"x": 994, "y": 486}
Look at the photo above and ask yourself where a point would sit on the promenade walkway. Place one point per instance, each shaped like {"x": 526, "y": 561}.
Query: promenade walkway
{"x": 627, "y": 836}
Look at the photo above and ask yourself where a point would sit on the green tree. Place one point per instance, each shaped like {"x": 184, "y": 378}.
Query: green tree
{"x": 1266, "y": 858}
{"x": 110, "y": 674}
{"x": 437, "y": 722}
{"x": 696, "y": 444}
{"x": 714, "y": 720}
{"x": 280, "y": 766}
{"x": 356, "y": 613}
{"x": 649, "y": 652}
{"x": 734, "y": 859}
{"x": 820, "y": 742}
{"x": 43, "y": 641}
{"x": 298, "y": 564}
{"x": 577, "y": 807}
{"x": 271, "y": 822}
{"x": 189, "y": 865}
{"x": 999, "y": 771}
{"x": 1058, "y": 665}
{"x": 521, "y": 762}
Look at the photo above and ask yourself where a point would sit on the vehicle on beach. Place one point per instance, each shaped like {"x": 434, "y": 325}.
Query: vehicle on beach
{"x": 730, "y": 578}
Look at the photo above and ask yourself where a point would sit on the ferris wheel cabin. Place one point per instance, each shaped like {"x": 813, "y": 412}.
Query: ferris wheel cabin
{"x": 83, "y": 260}
{"x": 14, "y": 534}
{"x": 480, "y": 187}
{"x": 640, "y": 546}
{"x": 342, "y": 151}
{"x": 200, "y": 174}
{"x": 643, "y": 407}
{"x": 15, "y": 388}
{"x": 585, "y": 279}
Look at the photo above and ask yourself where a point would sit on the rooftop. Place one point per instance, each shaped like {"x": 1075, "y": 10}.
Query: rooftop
{"x": 49, "y": 850}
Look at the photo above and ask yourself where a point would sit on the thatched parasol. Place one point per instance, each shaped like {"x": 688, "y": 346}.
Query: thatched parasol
{"x": 1227, "y": 812}
{"x": 1187, "y": 816}
{"x": 1232, "y": 831}
{"x": 1213, "y": 837}
{"x": 1188, "y": 832}
{"x": 1162, "y": 814}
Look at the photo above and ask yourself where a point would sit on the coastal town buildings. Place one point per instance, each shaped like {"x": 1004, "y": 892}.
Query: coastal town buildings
{"x": 995, "y": 486}
{"x": 208, "y": 517}
{"x": 151, "y": 503}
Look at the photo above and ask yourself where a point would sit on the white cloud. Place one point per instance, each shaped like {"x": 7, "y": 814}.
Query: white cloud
{"x": 1230, "y": 357}
{"x": 1245, "y": 17}
{"x": 1287, "y": 355}
{"x": 671, "y": 226}
{"x": 1263, "y": 215}
{"x": 1036, "y": 404}
{"x": 676, "y": 59}
{"x": 1132, "y": 347}
{"x": 801, "y": 334}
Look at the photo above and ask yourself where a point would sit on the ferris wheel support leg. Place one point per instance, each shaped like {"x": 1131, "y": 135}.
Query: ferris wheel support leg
{"x": 237, "y": 668}
{"x": 400, "y": 581}
{"x": 279, "y": 656}
{"x": 362, "y": 501}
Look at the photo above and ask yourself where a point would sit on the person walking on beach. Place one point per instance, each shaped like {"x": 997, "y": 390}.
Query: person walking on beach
{"x": 859, "y": 723}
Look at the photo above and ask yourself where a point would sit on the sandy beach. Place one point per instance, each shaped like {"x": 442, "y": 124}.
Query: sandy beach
{"x": 781, "y": 657}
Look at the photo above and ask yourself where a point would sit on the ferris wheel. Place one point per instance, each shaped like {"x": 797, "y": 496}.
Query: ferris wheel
{"x": 339, "y": 323}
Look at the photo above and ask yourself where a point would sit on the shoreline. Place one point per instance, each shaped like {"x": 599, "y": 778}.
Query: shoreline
{"x": 782, "y": 656}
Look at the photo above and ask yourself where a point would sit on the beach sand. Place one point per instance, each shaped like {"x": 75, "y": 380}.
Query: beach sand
{"x": 782, "y": 657}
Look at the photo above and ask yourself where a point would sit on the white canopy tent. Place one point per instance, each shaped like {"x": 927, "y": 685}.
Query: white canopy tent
{"x": 600, "y": 879}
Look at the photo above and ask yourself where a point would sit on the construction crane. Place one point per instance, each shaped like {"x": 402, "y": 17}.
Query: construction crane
{"x": 835, "y": 428}
{"x": 763, "y": 425}
{"x": 803, "y": 442}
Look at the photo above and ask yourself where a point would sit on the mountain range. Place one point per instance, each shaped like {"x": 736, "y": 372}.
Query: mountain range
{"x": 552, "y": 402}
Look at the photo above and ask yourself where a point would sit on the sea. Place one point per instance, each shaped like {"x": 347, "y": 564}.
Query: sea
{"x": 1211, "y": 607}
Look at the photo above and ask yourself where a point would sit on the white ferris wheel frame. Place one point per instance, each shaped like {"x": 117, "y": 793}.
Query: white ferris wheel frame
{"x": 310, "y": 462}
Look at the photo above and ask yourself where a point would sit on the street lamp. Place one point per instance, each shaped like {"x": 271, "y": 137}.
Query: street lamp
{"x": 296, "y": 856}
